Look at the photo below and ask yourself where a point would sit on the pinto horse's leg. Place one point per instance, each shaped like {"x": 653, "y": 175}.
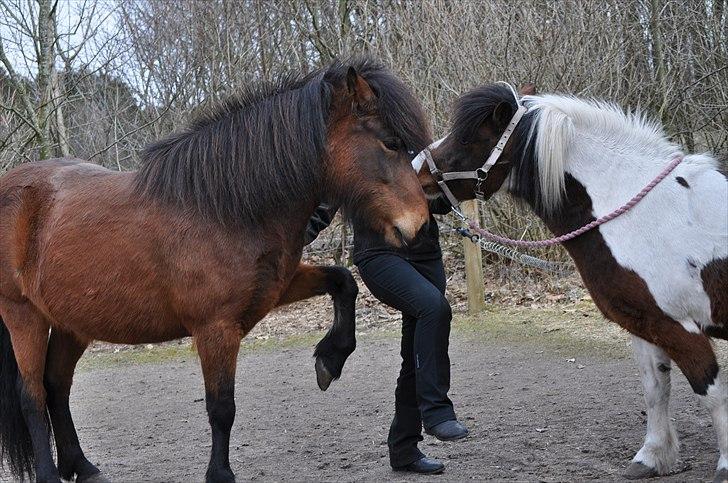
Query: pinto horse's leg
{"x": 64, "y": 351}
{"x": 660, "y": 450}
{"x": 693, "y": 353}
{"x": 29, "y": 336}
{"x": 218, "y": 344}
{"x": 340, "y": 341}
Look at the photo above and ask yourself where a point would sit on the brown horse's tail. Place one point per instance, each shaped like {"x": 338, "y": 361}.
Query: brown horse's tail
{"x": 15, "y": 446}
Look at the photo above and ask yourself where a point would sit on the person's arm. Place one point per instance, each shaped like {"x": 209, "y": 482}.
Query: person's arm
{"x": 440, "y": 206}
{"x": 321, "y": 218}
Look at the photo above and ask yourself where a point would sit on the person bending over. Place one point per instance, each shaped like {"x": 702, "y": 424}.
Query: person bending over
{"x": 411, "y": 279}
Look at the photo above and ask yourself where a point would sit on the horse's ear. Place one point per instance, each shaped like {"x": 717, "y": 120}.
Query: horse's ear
{"x": 359, "y": 88}
{"x": 502, "y": 114}
{"x": 528, "y": 89}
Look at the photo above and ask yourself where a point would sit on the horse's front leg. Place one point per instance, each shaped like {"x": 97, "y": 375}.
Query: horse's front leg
{"x": 218, "y": 344}
{"x": 340, "y": 341}
{"x": 64, "y": 351}
{"x": 659, "y": 453}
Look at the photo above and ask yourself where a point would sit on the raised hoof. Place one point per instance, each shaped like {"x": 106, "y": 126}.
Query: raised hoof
{"x": 95, "y": 478}
{"x": 323, "y": 376}
{"x": 721, "y": 476}
{"x": 638, "y": 471}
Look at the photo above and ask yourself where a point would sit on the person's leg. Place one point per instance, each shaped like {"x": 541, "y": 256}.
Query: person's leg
{"x": 406, "y": 429}
{"x": 395, "y": 282}
{"x": 432, "y": 340}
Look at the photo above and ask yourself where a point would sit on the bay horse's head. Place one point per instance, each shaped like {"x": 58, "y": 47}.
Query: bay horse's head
{"x": 343, "y": 134}
{"x": 477, "y": 147}
{"x": 375, "y": 127}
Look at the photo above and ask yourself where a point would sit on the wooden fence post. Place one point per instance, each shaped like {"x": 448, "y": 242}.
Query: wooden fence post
{"x": 473, "y": 263}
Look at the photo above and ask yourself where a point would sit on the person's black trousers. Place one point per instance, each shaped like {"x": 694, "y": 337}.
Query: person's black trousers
{"x": 416, "y": 288}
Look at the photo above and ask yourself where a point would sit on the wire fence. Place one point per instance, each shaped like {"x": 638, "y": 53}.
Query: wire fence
{"x": 502, "y": 216}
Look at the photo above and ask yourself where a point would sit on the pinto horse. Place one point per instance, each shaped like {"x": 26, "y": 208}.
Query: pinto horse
{"x": 203, "y": 241}
{"x": 660, "y": 270}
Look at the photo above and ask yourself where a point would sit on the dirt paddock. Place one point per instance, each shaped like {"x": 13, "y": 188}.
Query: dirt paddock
{"x": 542, "y": 403}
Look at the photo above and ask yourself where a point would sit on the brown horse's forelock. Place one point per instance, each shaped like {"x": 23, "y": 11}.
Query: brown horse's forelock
{"x": 262, "y": 150}
{"x": 400, "y": 111}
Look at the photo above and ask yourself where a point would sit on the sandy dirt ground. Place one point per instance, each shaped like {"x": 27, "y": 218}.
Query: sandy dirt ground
{"x": 540, "y": 406}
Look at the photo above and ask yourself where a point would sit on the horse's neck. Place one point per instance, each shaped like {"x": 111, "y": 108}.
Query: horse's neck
{"x": 611, "y": 176}
{"x": 600, "y": 179}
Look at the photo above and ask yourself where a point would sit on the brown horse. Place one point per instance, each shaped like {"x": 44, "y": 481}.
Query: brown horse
{"x": 660, "y": 270}
{"x": 203, "y": 241}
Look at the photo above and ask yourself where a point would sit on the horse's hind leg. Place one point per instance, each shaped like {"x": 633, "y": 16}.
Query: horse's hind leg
{"x": 659, "y": 452}
{"x": 340, "y": 341}
{"x": 29, "y": 336}
{"x": 218, "y": 344}
{"x": 64, "y": 351}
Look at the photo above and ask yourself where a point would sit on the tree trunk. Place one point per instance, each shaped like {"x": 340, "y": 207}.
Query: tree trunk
{"x": 45, "y": 60}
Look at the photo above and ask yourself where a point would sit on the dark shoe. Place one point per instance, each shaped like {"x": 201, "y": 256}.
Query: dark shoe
{"x": 448, "y": 430}
{"x": 423, "y": 466}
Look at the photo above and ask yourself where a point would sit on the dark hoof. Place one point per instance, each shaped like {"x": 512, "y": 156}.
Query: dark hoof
{"x": 220, "y": 476}
{"x": 423, "y": 466}
{"x": 323, "y": 376}
{"x": 638, "y": 471}
{"x": 95, "y": 478}
{"x": 721, "y": 476}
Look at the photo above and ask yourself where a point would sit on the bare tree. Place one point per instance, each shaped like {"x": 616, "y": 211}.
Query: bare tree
{"x": 119, "y": 73}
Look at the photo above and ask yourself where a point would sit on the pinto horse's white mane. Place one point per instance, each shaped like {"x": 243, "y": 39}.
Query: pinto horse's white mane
{"x": 561, "y": 121}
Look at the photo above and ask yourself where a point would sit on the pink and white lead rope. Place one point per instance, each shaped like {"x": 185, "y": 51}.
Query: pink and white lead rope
{"x": 573, "y": 234}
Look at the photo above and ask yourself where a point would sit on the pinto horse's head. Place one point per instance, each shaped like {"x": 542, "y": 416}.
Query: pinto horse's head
{"x": 375, "y": 127}
{"x": 480, "y": 118}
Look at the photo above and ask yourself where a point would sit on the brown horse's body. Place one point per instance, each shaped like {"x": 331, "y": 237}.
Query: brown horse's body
{"x": 204, "y": 240}
{"x": 169, "y": 272}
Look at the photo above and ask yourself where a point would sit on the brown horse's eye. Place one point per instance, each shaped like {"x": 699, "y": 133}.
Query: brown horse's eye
{"x": 393, "y": 144}
{"x": 464, "y": 141}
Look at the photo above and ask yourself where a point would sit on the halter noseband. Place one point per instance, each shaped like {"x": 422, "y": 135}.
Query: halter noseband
{"x": 479, "y": 174}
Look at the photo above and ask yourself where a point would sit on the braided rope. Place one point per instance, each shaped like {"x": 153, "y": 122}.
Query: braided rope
{"x": 580, "y": 231}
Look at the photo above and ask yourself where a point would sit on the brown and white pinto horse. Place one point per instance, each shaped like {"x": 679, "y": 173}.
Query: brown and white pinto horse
{"x": 660, "y": 270}
{"x": 204, "y": 241}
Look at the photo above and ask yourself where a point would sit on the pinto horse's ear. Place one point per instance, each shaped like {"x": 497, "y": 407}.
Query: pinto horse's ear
{"x": 502, "y": 114}
{"x": 359, "y": 88}
{"x": 528, "y": 89}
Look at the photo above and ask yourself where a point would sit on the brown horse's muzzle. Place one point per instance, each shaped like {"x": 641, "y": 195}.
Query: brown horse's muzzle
{"x": 409, "y": 224}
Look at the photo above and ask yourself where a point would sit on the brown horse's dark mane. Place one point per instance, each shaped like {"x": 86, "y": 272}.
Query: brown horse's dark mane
{"x": 262, "y": 149}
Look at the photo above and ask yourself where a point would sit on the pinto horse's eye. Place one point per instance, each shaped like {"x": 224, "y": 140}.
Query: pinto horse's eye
{"x": 464, "y": 141}
{"x": 393, "y": 144}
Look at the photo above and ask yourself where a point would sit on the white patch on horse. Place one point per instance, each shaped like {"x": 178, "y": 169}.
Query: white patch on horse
{"x": 690, "y": 326}
{"x": 420, "y": 159}
{"x": 669, "y": 236}
{"x": 661, "y": 446}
